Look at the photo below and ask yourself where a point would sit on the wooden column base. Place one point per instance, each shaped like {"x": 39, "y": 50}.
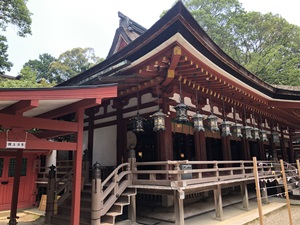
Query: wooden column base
{"x": 218, "y": 202}
{"x": 179, "y": 210}
{"x": 245, "y": 197}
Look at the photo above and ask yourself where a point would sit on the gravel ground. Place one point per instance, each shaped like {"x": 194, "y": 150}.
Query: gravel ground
{"x": 25, "y": 219}
{"x": 280, "y": 217}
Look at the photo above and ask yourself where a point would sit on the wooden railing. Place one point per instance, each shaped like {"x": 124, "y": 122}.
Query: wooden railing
{"x": 64, "y": 187}
{"x": 172, "y": 174}
{"x": 62, "y": 168}
{"x": 114, "y": 185}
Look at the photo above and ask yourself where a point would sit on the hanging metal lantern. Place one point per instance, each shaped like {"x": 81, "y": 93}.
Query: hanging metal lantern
{"x": 246, "y": 130}
{"x": 198, "y": 122}
{"x": 212, "y": 123}
{"x": 236, "y": 130}
{"x": 275, "y": 136}
{"x": 263, "y": 135}
{"x": 225, "y": 128}
{"x": 159, "y": 120}
{"x": 181, "y": 113}
{"x": 255, "y": 133}
{"x": 138, "y": 125}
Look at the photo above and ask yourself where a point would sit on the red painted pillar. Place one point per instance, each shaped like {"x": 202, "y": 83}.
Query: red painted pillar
{"x": 15, "y": 193}
{"x": 291, "y": 149}
{"x": 91, "y": 114}
{"x": 200, "y": 147}
{"x": 282, "y": 146}
{"x": 76, "y": 190}
{"x": 261, "y": 150}
{"x": 165, "y": 138}
{"x": 226, "y": 148}
{"x": 165, "y": 142}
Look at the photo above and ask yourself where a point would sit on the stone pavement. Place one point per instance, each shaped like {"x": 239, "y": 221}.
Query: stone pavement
{"x": 233, "y": 215}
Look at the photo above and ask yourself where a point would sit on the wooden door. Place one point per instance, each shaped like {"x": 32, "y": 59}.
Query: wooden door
{"x": 27, "y": 186}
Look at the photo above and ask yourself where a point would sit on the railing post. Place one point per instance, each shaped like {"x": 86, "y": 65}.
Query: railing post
{"x": 178, "y": 175}
{"x": 132, "y": 167}
{"x": 132, "y": 160}
{"x": 242, "y": 165}
{"x": 97, "y": 202}
{"x": 264, "y": 193}
{"x": 50, "y": 194}
{"x": 217, "y": 170}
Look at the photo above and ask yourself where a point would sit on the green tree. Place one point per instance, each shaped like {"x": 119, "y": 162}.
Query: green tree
{"x": 71, "y": 63}
{"x": 27, "y": 80}
{"x": 269, "y": 46}
{"x": 15, "y": 13}
{"x": 4, "y": 63}
{"x": 265, "y": 44}
{"x": 42, "y": 66}
{"x": 217, "y": 17}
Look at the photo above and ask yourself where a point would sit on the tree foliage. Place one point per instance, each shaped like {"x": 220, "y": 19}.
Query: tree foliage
{"x": 265, "y": 44}
{"x": 54, "y": 71}
{"x": 27, "y": 79}
{"x": 42, "y": 66}
{"x": 15, "y": 13}
{"x": 4, "y": 63}
{"x": 71, "y": 63}
{"x": 216, "y": 18}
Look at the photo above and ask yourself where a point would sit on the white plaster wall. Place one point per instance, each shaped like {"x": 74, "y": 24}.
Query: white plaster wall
{"x": 105, "y": 146}
{"x": 51, "y": 159}
{"x": 147, "y": 98}
{"x": 84, "y": 141}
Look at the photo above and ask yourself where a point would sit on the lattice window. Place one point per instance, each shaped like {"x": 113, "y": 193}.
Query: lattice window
{"x": 1, "y": 166}
{"x": 12, "y": 164}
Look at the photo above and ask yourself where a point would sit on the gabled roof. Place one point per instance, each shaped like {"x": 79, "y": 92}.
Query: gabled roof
{"x": 127, "y": 32}
{"x": 150, "y": 56}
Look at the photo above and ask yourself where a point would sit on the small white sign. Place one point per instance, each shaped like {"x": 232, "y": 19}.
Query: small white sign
{"x": 16, "y": 144}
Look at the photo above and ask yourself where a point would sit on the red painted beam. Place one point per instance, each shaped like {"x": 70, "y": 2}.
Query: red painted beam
{"x": 43, "y": 145}
{"x": 8, "y": 153}
{"x": 27, "y": 123}
{"x": 51, "y": 134}
{"x": 20, "y": 107}
{"x": 86, "y": 103}
{"x": 59, "y": 93}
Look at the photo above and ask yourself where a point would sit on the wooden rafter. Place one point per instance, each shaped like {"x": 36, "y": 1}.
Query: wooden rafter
{"x": 176, "y": 54}
{"x": 27, "y": 123}
{"x": 20, "y": 107}
{"x": 86, "y": 103}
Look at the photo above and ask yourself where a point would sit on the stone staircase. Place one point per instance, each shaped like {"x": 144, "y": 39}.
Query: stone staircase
{"x": 64, "y": 211}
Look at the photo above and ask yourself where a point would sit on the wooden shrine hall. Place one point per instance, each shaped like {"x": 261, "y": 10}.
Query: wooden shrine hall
{"x": 176, "y": 69}
{"x": 179, "y": 101}
{"x": 184, "y": 109}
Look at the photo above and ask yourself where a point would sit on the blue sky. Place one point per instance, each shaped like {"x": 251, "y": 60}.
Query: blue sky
{"x": 60, "y": 25}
